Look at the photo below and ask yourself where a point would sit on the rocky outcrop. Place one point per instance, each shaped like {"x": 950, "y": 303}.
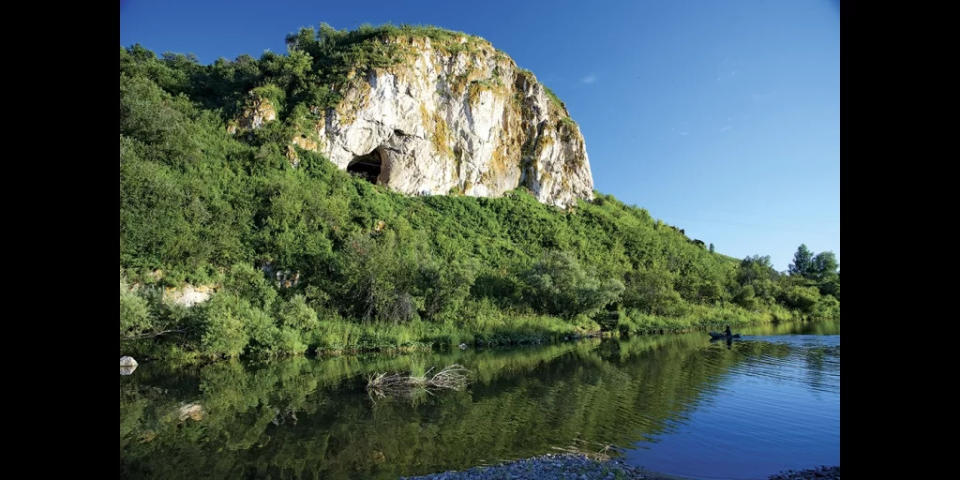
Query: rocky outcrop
{"x": 188, "y": 295}
{"x": 193, "y": 411}
{"x": 451, "y": 117}
{"x": 259, "y": 110}
{"x": 304, "y": 142}
{"x": 469, "y": 122}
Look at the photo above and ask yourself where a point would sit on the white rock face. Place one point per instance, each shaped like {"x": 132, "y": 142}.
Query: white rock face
{"x": 192, "y": 411}
{"x": 189, "y": 295}
{"x": 470, "y": 123}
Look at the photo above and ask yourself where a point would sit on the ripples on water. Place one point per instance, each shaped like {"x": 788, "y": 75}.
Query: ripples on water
{"x": 777, "y": 407}
{"x": 677, "y": 404}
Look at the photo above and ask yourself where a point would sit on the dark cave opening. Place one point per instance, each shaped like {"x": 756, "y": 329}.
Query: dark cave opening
{"x": 368, "y": 166}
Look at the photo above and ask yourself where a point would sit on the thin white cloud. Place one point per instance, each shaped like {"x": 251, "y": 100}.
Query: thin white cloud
{"x": 726, "y": 128}
{"x": 589, "y": 79}
{"x": 684, "y": 133}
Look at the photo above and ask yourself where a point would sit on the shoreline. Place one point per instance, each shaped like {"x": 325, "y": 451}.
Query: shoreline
{"x": 150, "y": 353}
{"x": 583, "y": 467}
{"x": 552, "y": 467}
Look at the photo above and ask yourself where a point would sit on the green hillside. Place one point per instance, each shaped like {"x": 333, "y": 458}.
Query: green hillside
{"x": 361, "y": 267}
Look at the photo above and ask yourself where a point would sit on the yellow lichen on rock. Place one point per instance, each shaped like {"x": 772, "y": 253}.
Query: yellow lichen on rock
{"x": 355, "y": 99}
{"x": 304, "y": 142}
{"x": 258, "y": 111}
{"x": 441, "y": 135}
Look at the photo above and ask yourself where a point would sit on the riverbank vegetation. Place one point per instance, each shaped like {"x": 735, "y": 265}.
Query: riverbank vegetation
{"x": 308, "y": 258}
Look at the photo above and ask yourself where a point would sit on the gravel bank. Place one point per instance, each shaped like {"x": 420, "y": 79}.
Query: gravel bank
{"x": 819, "y": 473}
{"x": 580, "y": 467}
{"x": 549, "y": 467}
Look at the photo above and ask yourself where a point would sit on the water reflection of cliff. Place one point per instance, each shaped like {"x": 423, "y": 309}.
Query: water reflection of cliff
{"x": 312, "y": 418}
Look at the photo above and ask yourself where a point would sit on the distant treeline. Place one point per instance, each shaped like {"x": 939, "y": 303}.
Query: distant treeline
{"x": 375, "y": 269}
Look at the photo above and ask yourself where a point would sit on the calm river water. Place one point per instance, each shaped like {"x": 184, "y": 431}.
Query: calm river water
{"x": 676, "y": 404}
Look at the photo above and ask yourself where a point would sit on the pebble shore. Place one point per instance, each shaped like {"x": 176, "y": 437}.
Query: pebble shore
{"x": 550, "y": 467}
{"x": 819, "y": 473}
{"x": 580, "y": 467}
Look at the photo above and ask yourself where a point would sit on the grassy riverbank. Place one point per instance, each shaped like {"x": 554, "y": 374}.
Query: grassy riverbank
{"x": 301, "y": 331}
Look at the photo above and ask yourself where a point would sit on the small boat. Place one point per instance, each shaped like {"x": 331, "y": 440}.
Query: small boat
{"x": 721, "y": 335}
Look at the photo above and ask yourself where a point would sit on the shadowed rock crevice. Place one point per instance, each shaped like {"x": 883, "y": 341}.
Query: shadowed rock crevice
{"x": 368, "y": 166}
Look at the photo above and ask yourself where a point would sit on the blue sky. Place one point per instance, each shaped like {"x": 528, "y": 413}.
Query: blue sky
{"x": 722, "y": 118}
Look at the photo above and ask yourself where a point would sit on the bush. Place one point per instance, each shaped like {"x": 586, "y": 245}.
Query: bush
{"x": 651, "y": 291}
{"x": 585, "y": 324}
{"x": 746, "y": 298}
{"x": 827, "y": 308}
{"x": 226, "y": 324}
{"x": 250, "y": 284}
{"x": 297, "y": 315}
{"x": 560, "y": 286}
{"x": 134, "y": 314}
{"x": 801, "y": 298}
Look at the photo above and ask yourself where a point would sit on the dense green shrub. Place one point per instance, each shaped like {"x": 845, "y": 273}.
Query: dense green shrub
{"x": 227, "y": 324}
{"x": 746, "y": 298}
{"x": 134, "y": 313}
{"x": 827, "y": 307}
{"x": 250, "y": 283}
{"x": 801, "y": 298}
{"x": 651, "y": 290}
{"x": 560, "y": 286}
{"x": 296, "y": 314}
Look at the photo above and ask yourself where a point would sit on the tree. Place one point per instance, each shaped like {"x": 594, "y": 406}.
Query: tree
{"x": 755, "y": 268}
{"x": 819, "y": 268}
{"x": 824, "y": 266}
{"x": 711, "y": 247}
{"x": 802, "y": 262}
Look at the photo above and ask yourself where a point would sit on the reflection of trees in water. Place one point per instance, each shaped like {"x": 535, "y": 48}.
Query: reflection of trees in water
{"x": 821, "y": 363}
{"x": 303, "y": 417}
{"x": 819, "y": 327}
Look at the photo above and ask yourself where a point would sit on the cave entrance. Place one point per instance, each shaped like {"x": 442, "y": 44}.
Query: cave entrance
{"x": 367, "y": 166}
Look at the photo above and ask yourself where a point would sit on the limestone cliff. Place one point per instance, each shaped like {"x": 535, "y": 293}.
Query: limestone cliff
{"x": 451, "y": 117}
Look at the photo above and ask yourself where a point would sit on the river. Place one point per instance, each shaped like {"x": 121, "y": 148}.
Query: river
{"x": 675, "y": 404}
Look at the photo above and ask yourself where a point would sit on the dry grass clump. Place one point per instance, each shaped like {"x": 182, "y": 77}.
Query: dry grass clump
{"x": 587, "y": 449}
{"x": 453, "y": 377}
